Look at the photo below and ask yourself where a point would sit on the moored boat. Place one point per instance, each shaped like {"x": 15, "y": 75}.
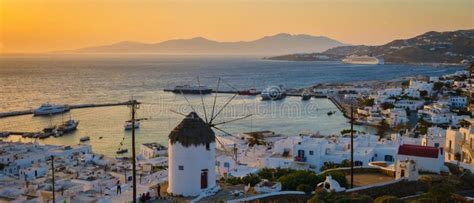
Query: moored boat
{"x": 305, "y": 96}
{"x": 121, "y": 151}
{"x": 68, "y": 126}
{"x": 248, "y": 92}
{"x": 84, "y": 139}
{"x": 192, "y": 89}
{"x": 50, "y": 109}
{"x": 128, "y": 125}
{"x": 4, "y": 134}
{"x": 273, "y": 93}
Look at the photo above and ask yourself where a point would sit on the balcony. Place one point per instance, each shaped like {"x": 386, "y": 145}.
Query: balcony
{"x": 300, "y": 159}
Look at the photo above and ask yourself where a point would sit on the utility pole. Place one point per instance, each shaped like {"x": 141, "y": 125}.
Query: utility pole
{"x": 134, "y": 106}
{"x": 52, "y": 171}
{"x": 352, "y": 146}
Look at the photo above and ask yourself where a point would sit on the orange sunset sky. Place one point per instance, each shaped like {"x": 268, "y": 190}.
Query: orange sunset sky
{"x": 47, "y": 25}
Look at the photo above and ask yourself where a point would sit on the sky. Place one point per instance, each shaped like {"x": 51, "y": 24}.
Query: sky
{"x": 34, "y": 26}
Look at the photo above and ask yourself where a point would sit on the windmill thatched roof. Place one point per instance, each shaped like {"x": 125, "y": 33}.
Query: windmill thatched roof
{"x": 192, "y": 131}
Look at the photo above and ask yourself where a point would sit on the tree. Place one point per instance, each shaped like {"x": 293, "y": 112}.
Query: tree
{"x": 251, "y": 179}
{"x": 423, "y": 93}
{"x": 465, "y": 124}
{"x": 292, "y": 180}
{"x": 438, "y": 85}
{"x": 387, "y": 199}
{"x": 387, "y": 105}
{"x": 305, "y": 188}
{"x": 369, "y": 102}
{"x": 382, "y": 128}
{"x": 440, "y": 192}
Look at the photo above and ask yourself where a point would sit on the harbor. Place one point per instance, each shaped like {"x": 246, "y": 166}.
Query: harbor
{"x": 74, "y": 106}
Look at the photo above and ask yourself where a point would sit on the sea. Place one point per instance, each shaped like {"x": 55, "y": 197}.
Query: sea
{"x": 27, "y": 81}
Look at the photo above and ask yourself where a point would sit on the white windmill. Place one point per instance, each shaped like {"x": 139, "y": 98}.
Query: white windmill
{"x": 192, "y": 151}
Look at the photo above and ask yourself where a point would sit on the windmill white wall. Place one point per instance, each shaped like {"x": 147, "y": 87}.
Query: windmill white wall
{"x": 185, "y": 168}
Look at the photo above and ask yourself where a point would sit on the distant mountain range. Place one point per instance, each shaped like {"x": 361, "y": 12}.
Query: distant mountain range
{"x": 430, "y": 47}
{"x": 269, "y": 45}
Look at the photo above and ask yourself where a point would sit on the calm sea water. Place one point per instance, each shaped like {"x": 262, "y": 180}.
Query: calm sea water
{"x": 28, "y": 81}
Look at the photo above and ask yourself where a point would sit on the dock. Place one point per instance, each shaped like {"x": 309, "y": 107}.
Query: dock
{"x": 74, "y": 106}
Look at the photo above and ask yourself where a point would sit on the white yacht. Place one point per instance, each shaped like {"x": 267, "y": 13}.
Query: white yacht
{"x": 49, "y": 109}
{"x": 128, "y": 125}
{"x": 273, "y": 93}
{"x": 366, "y": 60}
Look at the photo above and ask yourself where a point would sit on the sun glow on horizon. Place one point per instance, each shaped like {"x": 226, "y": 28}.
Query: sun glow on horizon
{"x": 48, "y": 25}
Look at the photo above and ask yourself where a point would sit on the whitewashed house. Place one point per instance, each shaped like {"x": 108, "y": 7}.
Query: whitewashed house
{"x": 427, "y": 158}
{"x": 152, "y": 150}
{"x": 457, "y": 102}
{"x": 460, "y": 144}
{"x": 408, "y": 104}
{"x": 421, "y": 86}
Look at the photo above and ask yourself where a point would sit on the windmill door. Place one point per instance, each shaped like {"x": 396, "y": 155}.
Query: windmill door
{"x": 204, "y": 179}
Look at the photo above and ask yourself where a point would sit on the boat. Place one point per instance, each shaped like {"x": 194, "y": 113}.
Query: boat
{"x": 365, "y": 60}
{"x": 50, "y": 109}
{"x": 121, "y": 151}
{"x": 192, "y": 89}
{"x": 305, "y": 96}
{"x": 84, "y": 139}
{"x": 4, "y": 134}
{"x": 331, "y": 113}
{"x": 248, "y": 92}
{"x": 273, "y": 93}
{"x": 128, "y": 125}
{"x": 68, "y": 126}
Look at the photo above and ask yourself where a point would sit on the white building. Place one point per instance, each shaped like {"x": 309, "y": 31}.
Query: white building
{"x": 436, "y": 137}
{"x": 430, "y": 159}
{"x": 396, "y": 116}
{"x": 152, "y": 150}
{"x": 460, "y": 145}
{"x": 411, "y": 105}
{"x": 437, "y": 113}
{"x": 457, "y": 102}
{"x": 421, "y": 86}
{"x": 412, "y": 92}
{"x": 192, "y": 157}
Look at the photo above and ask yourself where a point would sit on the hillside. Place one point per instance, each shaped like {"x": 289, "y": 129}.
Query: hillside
{"x": 431, "y": 47}
{"x": 269, "y": 45}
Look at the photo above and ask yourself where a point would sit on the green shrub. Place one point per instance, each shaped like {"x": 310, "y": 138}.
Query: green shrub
{"x": 292, "y": 180}
{"x": 440, "y": 192}
{"x": 387, "y": 199}
{"x": 338, "y": 176}
{"x": 425, "y": 200}
{"x": 233, "y": 180}
{"x": 273, "y": 173}
{"x": 305, "y": 188}
{"x": 251, "y": 179}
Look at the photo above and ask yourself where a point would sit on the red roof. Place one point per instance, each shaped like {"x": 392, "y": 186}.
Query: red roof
{"x": 417, "y": 150}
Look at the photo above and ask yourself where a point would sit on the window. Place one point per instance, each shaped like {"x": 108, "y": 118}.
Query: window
{"x": 208, "y": 147}
{"x": 311, "y": 152}
{"x": 181, "y": 168}
{"x": 388, "y": 158}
